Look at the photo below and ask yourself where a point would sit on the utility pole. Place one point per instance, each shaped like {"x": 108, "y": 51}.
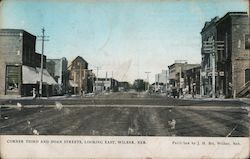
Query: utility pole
{"x": 211, "y": 47}
{"x": 166, "y": 80}
{"x": 97, "y": 69}
{"x": 180, "y": 84}
{"x": 213, "y": 73}
{"x": 148, "y": 78}
{"x": 41, "y": 79}
{"x": 158, "y": 80}
{"x": 80, "y": 82}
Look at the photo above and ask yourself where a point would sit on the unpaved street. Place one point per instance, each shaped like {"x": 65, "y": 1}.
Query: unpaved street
{"x": 126, "y": 120}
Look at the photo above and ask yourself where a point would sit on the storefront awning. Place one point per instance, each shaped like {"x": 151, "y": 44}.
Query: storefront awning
{"x": 72, "y": 83}
{"x": 32, "y": 75}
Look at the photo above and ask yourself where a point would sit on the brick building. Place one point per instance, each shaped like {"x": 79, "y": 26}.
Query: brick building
{"x": 78, "y": 75}
{"x": 192, "y": 80}
{"x": 232, "y": 63}
{"x": 106, "y": 85}
{"x": 20, "y": 64}
{"x": 208, "y": 33}
{"x": 176, "y": 74}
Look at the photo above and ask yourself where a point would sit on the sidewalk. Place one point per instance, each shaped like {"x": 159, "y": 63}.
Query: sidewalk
{"x": 245, "y": 100}
{"x": 198, "y": 97}
{"x": 11, "y": 97}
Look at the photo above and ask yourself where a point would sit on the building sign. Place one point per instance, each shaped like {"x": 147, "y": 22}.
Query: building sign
{"x": 221, "y": 73}
{"x": 216, "y": 73}
{"x": 247, "y": 41}
{"x": 211, "y": 73}
{"x": 203, "y": 73}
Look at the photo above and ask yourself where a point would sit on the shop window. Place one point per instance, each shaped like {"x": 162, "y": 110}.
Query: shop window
{"x": 12, "y": 79}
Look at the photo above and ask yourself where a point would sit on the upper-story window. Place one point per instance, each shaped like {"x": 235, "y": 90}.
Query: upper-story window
{"x": 247, "y": 41}
{"x": 247, "y": 75}
{"x": 239, "y": 44}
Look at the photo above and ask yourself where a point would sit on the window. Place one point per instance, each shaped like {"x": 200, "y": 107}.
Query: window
{"x": 247, "y": 41}
{"x": 12, "y": 79}
{"x": 247, "y": 75}
{"x": 239, "y": 44}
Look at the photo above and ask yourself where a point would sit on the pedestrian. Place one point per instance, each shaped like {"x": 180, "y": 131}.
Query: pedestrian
{"x": 82, "y": 92}
{"x": 34, "y": 93}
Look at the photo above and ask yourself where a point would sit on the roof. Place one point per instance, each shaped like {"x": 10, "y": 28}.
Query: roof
{"x": 177, "y": 63}
{"x": 12, "y": 30}
{"x": 59, "y": 59}
{"x": 209, "y": 24}
{"x": 8, "y": 30}
{"x": 78, "y": 57}
{"x": 231, "y": 14}
{"x": 217, "y": 20}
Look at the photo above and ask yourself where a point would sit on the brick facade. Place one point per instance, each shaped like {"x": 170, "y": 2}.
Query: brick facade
{"x": 11, "y": 51}
{"x": 17, "y": 49}
{"x": 78, "y": 73}
{"x": 208, "y": 33}
{"x": 233, "y": 60}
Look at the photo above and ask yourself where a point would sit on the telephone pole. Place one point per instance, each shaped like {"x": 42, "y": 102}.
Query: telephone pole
{"x": 97, "y": 69}
{"x": 41, "y": 79}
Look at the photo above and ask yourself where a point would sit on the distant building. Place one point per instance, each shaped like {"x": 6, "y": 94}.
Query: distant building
{"x": 161, "y": 80}
{"x": 176, "y": 74}
{"x": 105, "y": 85}
{"x": 232, "y": 63}
{"x": 123, "y": 86}
{"x": 192, "y": 80}
{"x": 162, "y": 77}
{"x": 78, "y": 76}
{"x": 90, "y": 81}
{"x": 58, "y": 70}
{"x": 20, "y": 70}
{"x": 139, "y": 85}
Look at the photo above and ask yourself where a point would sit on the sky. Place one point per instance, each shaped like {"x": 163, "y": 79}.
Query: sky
{"x": 124, "y": 38}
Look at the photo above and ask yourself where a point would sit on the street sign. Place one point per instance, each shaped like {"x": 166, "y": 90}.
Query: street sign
{"x": 207, "y": 49}
{"x": 210, "y": 47}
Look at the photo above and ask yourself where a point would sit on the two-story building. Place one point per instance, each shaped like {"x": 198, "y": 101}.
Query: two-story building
{"x": 232, "y": 62}
{"x": 106, "y": 85}
{"x": 176, "y": 74}
{"x": 20, "y": 65}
